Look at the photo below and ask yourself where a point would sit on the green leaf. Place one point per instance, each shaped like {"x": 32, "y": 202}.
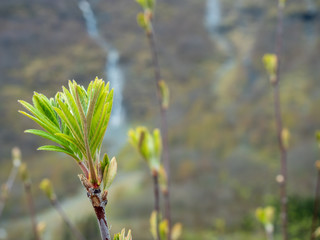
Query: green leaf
{"x": 72, "y": 141}
{"x": 58, "y": 149}
{"x": 65, "y": 114}
{"x": 163, "y": 229}
{"x": 46, "y": 123}
{"x": 72, "y": 105}
{"x": 109, "y": 173}
{"x": 43, "y": 105}
{"x": 45, "y": 135}
{"x": 165, "y": 94}
{"x": 92, "y": 102}
{"x": 176, "y": 231}
{"x": 153, "y": 224}
{"x": 105, "y": 162}
{"x": 157, "y": 142}
{"x": 43, "y": 124}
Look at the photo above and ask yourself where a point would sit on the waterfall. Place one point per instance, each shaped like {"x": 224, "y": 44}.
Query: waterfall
{"x": 212, "y": 22}
{"x": 113, "y": 71}
{"x": 213, "y": 15}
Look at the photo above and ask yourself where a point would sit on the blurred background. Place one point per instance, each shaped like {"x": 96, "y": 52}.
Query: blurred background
{"x": 223, "y": 145}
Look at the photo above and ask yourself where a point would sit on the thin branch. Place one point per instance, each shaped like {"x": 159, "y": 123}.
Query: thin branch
{"x": 156, "y": 201}
{"x": 164, "y": 123}
{"x": 6, "y": 188}
{"x": 315, "y": 208}
{"x": 55, "y": 203}
{"x": 98, "y": 201}
{"x": 279, "y": 126}
{"x": 27, "y": 187}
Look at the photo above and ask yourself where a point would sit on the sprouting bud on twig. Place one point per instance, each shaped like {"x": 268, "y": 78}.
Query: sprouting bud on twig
{"x": 148, "y": 145}
{"x": 24, "y": 172}
{"x": 41, "y": 227}
{"x": 317, "y": 164}
{"x": 47, "y": 188}
{"x": 163, "y": 179}
{"x": 122, "y": 235}
{"x": 165, "y": 94}
{"x": 270, "y": 62}
{"x": 282, "y": 3}
{"x": 109, "y": 173}
{"x": 176, "y": 231}
{"x": 285, "y": 135}
{"x": 16, "y": 156}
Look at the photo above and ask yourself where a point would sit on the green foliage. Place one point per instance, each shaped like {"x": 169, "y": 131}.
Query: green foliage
{"x": 285, "y": 135}
{"x": 282, "y": 3}
{"x": 143, "y": 22}
{"x": 270, "y": 62}
{"x": 165, "y": 94}
{"x": 72, "y": 118}
{"x": 163, "y": 179}
{"x": 148, "y": 145}
{"x": 146, "y": 4}
{"x": 47, "y": 188}
{"x": 176, "y": 230}
{"x": 265, "y": 215}
{"x": 300, "y": 212}
{"x": 76, "y": 119}
{"x": 122, "y": 235}
{"x": 109, "y": 173}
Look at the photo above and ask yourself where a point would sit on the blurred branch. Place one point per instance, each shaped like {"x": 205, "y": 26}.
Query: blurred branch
{"x": 163, "y": 119}
{"x": 6, "y": 188}
{"x": 47, "y": 188}
{"x": 98, "y": 201}
{"x": 156, "y": 201}
{"x": 279, "y": 124}
{"x": 27, "y": 186}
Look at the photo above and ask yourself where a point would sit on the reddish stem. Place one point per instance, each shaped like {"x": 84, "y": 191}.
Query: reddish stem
{"x": 156, "y": 201}
{"x": 27, "y": 187}
{"x": 279, "y": 126}
{"x": 164, "y": 125}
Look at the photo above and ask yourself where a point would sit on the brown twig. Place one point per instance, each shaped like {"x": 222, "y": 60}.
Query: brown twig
{"x": 279, "y": 125}
{"x": 316, "y": 206}
{"x": 164, "y": 123}
{"x": 98, "y": 201}
{"x": 55, "y": 203}
{"x": 156, "y": 201}
{"x": 6, "y": 188}
{"x": 27, "y": 187}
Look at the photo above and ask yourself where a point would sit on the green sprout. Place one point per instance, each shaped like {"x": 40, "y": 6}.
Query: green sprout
{"x": 76, "y": 120}
{"x": 176, "y": 231}
{"x": 144, "y": 18}
{"x": 270, "y": 62}
{"x": 266, "y": 217}
{"x": 148, "y": 145}
{"x": 122, "y": 235}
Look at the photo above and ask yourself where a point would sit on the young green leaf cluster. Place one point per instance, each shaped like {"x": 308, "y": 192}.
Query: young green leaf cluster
{"x": 122, "y": 235}
{"x": 265, "y": 215}
{"x": 148, "y": 145}
{"x": 144, "y": 18}
{"x": 270, "y": 62}
{"x": 47, "y": 188}
{"x": 76, "y": 119}
{"x": 163, "y": 228}
{"x": 147, "y": 4}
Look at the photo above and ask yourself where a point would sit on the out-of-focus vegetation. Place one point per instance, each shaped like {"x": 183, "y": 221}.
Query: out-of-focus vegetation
{"x": 222, "y": 134}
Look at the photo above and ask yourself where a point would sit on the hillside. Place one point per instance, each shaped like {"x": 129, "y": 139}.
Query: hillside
{"x": 221, "y": 122}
